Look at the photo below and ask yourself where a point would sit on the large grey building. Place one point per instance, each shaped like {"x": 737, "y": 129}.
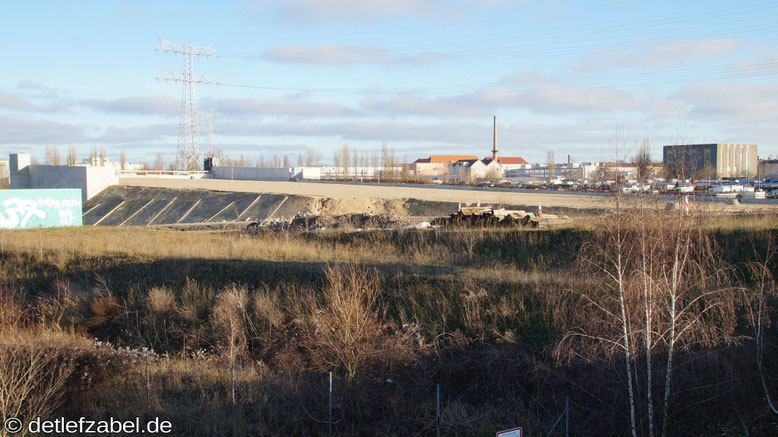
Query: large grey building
{"x": 711, "y": 160}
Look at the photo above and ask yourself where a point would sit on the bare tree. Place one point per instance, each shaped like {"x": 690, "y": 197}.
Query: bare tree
{"x": 551, "y": 162}
{"x": 52, "y": 156}
{"x": 286, "y": 163}
{"x": 103, "y": 157}
{"x": 312, "y": 157}
{"x": 93, "y": 157}
{"x": 123, "y": 161}
{"x": 642, "y": 160}
{"x": 72, "y": 156}
{"x": 159, "y": 162}
{"x": 375, "y": 162}
{"x": 656, "y": 285}
{"x": 345, "y": 156}
{"x": 355, "y": 161}
{"x": 757, "y": 299}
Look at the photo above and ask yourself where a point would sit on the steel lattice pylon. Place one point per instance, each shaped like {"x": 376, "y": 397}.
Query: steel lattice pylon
{"x": 189, "y": 147}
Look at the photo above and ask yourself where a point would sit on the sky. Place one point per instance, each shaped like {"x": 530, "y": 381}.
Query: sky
{"x": 591, "y": 79}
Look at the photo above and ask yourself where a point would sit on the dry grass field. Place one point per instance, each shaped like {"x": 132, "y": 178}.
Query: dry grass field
{"x": 125, "y": 322}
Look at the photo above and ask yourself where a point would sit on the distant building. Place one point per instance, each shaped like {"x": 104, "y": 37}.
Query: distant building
{"x": 711, "y": 160}
{"x": 767, "y": 168}
{"x": 508, "y": 162}
{"x": 471, "y": 170}
{"x": 437, "y": 165}
{"x": 569, "y": 170}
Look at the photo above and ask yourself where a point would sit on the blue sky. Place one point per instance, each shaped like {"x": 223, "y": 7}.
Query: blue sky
{"x": 593, "y": 79}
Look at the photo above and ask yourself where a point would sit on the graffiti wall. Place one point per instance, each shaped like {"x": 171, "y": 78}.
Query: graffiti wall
{"x": 22, "y": 209}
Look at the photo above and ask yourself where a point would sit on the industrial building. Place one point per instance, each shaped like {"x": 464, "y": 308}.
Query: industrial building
{"x": 767, "y": 168}
{"x": 471, "y": 170}
{"x": 711, "y": 160}
{"x": 437, "y": 165}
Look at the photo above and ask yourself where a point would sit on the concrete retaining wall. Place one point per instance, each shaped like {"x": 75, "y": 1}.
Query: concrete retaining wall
{"x": 252, "y": 173}
{"x": 266, "y": 174}
{"x": 5, "y": 174}
{"x": 20, "y": 209}
{"x": 91, "y": 180}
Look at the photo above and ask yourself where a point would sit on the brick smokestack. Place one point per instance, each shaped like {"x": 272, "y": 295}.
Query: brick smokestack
{"x": 494, "y": 140}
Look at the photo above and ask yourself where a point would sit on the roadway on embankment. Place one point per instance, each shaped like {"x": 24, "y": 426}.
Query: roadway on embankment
{"x": 576, "y": 200}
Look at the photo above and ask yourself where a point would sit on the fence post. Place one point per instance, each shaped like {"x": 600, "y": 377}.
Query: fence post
{"x": 329, "y": 420}
{"x": 148, "y": 384}
{"x": 437, "y": 410}
{"x": 232, "y": 378}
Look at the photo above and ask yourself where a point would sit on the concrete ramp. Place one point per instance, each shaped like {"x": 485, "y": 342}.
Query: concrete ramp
{"x": 147, "y": 206}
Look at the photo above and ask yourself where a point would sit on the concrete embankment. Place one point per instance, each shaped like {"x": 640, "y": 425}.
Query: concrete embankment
{"x": 154, "y": 206}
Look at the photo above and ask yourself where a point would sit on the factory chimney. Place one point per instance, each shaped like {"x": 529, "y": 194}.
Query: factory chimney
{"x": 494, "y": 140}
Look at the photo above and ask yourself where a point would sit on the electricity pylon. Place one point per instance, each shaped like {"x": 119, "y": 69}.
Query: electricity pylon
{"x": 189, "y": 148}
{"x": 209, "y": 130}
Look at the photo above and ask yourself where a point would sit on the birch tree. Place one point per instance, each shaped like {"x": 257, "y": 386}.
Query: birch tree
{"x": 655, "y": 286}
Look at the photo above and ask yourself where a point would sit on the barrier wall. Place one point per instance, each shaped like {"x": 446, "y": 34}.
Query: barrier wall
{"x": 252, "y": 173}
{"x": 23, "y": 209}
{"x": 91, "y": 180}
{"x": 266, "y": 174}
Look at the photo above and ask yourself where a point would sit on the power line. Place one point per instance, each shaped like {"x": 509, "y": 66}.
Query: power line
{"x": 730, "y": 16}
{"x": 737, "y": 70}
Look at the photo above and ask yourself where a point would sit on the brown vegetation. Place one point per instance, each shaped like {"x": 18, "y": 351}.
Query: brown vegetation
{"x": 508, "y": 321}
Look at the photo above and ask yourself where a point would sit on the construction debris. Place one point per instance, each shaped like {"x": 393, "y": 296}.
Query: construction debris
{"x": 487, "y": 216}
{"x": 307, "y": 222}
{"x": 469, "y": 216}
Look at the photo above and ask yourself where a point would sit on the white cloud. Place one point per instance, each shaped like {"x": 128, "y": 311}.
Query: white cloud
{"x": 23, "y": 131}
{"x": 15, "y": 102}
{"x": 453, "y": 132}
{"x": 338, "y": 54}
{"x": 291, "y": 107}
{"x": 540, "y": 100}
{"x": 317, "y": 11}
{"x": 663, "y": 54}
{"x": 135, "y": 105}
{"x": 137, "y": 134}
{"x": 740, "y": 102}
{"x": 524, "y": 77}
{"x": 414, "y": 105}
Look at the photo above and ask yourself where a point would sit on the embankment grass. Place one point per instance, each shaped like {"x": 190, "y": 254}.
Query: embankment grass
{"x": 478, "y": 311}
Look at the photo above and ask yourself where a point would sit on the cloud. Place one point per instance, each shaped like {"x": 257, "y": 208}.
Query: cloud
{"x": 317, "y": 11}
{"x": 336, "y": 54}
{"x": 414, "y": 105}
{"x": 663, "y": 54}
{"x": 37, "y": 90}
{"x": 8, "y": 101}
{"x": 524, "y": 77}
{"x": 735, "y": 102}
{"x": 459, "y": 133}
{"x": 21, "y": 131}
{"x": 148, "y": 105}
{"x": 559, "y": 100}
{"x": 17, "y": 103}
{"x": 290, "y": 107}
{"x": 137, "y": 134}
{"x": 540, "y": 100}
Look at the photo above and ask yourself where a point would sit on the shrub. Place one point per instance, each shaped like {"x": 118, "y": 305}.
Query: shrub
{"x": 346, "y": 331}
